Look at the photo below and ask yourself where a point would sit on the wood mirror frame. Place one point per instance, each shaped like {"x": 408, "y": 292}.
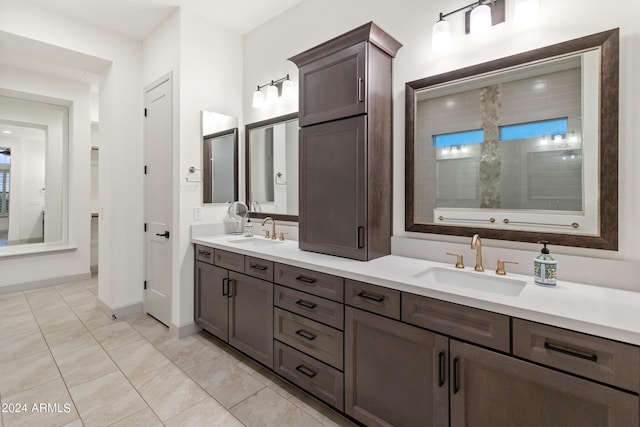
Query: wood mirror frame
{"x": 608, "y": 43}
{"x": 247, "y": 133}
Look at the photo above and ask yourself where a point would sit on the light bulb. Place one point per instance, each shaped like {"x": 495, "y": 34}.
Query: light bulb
{"x": 526, "y": 11}
{"x": 287, "y": 89}
{"x": 441, "y": 36}
{"x": 258, "y": 99}
{"x": 480, "y": 19}
{"x": 272, "y": 94}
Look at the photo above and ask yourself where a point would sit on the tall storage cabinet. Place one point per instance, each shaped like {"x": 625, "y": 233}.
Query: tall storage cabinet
{"x": 346, "y": 144}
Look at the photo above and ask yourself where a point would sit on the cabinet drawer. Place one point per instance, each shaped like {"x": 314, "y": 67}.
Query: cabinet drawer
{"x": 313, "y": 282}
{"x": 311, "y": 306}
{"x": 204, "y": 254}
{"x": 259, "y": 268}
{"x": 323, "y": 381}
{"x": 600, "y": 359}
{"x": 471, "y": 324}
{"x": 313, "y": 338}
{"x": 376, "y": 299}
{"x": 230, "y": 260}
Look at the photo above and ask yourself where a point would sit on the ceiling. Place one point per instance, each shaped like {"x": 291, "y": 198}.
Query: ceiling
{"x": 139, "y": 18}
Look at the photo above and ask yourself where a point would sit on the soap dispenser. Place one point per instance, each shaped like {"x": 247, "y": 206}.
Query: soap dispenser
{"x": 248, "y": 229}
{"x": 544, "y": 267}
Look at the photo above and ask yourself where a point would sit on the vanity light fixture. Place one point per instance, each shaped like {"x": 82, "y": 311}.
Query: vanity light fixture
{"x": 479, "y": 17}
{"x": 280, "y": 88}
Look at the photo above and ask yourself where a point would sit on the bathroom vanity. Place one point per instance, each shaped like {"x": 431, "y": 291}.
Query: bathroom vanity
{"x": 405, "y": 342}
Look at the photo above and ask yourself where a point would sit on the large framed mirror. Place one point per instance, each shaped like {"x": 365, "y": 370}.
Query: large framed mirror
{"x": 272, "y": 168}
{"x": 219, "y": 158}
{"x": 34, "y": 134}
{"x": 523, "y": 148}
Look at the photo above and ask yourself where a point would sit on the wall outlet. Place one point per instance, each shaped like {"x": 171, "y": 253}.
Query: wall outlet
{"x": 197, "y": 213}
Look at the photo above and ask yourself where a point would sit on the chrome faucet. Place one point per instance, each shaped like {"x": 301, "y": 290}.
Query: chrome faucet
{"x": 273, "y": 228}
{"x": 477, "y": 245}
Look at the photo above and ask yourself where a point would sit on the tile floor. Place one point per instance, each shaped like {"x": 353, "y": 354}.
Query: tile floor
{"x": 63, "y": 362}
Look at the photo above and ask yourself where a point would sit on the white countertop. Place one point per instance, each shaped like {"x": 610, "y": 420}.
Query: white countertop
{"x": 606, "y": 312}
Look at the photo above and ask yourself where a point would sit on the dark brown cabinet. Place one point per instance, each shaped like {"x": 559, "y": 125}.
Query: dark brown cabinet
{"x": 346, "y": 144}
{"x": 251, "y": 317}
{"x": 490, "y": 389}
{"x": 211, "y": 302}
{"x": 235, "y": 307}
{"x": 395, "y": 374}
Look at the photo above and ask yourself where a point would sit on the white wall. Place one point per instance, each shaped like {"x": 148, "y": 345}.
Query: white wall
{"x": 267, "y": 48}
{"x": 206, "y": 62}
{"x": 118, "y": 62}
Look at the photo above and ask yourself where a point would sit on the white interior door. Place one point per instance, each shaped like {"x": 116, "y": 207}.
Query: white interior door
{"x": 158, "y": 199}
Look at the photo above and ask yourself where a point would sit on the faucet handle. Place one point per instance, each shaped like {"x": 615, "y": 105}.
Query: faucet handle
{"x": 500, "y": 269}
{"x": 459, "y": 260}
{"x": 282, "y": 233}
{"x": 267, "y": 235}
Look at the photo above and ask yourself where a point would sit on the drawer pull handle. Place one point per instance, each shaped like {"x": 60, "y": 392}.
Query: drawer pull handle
{"x": 225, "y": 286}
{"x": 305, "y": 279}
{"x": 441, "y": 369}
{"x": 590, "y": 357}
{"x": 306, "y": 335}
{"x": 360, "y": 88}
{"x": 372, "y": 297}
{"x": 306, "y": 304}
{"x": 231, "y": 289}
{"x": 204, "y": 253}
{"x": 258, "y": 267}
{"x": 456, "y": 375}
{"x": 306, "y": 371}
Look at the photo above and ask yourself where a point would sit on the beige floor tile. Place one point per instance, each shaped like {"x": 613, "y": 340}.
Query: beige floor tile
{"x": 27, "y": 372}
{"x": 44, "y": 299}
{"x": 206, "y": 413}
{"x": 268, "y": 378}
{"x": 56, "y": 319}
{"x": 138, "y": 358}
{"x": 319, "y": 411}
{"x": 267, "y": 408}
{"x": 87, "y": 364}
{"x": 106, "y": 399}
{"x": 14, "y": 306}
{"x": 81, "y": 292}
{"x": 74, "y": 423}
{"x": 168, "y": 391}
{"x": 58, "y": 410}
{"x": 225, "y": 381}
{"x": 95, "y": 318}
{"x": 144, "y": 418}
{"x": 116, "y": 334}
{"x": 150, "y": 328}
{"x": 11, "y": 296}
{"x": 189, "y": 352}
{"x": 17, "y": 324}
{"x": 16, "y": 346}
{"x": 84, "y": 304}
{"x": 70, "y": 288}
{"x": 69, "y": 339}
{"x": 93, "y": 288}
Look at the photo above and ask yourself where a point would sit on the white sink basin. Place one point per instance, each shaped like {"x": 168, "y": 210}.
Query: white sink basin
{"x": 255, "y": 242}
{"x": 471, "y": 280}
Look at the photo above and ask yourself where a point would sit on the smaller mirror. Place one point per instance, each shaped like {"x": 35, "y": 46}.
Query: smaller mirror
{"x": 220, "y": 158}
{"x": 272, "y": 167}
{"x": 238, "y": 211}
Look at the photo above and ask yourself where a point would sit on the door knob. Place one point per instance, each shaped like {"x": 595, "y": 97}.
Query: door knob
{"x": 165, "y": 234}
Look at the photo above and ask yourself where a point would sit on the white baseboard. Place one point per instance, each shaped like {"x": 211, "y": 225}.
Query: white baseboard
{"x": 184, "y": 330}
{"x": 19, "y": 287}
{"x": 123, "y": 311}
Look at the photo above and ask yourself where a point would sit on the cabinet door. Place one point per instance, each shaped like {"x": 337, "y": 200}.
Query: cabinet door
{"x": 333, "y": 87}
{"x": 333, "y": 188}
{"x": 211, "y": 306}
{"x": 395, "y": 374}
{"x": 490, "y": 389}
{"x": 251, "y": 317}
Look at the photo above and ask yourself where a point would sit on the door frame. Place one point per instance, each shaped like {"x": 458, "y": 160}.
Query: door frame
{"x": 166, "y": 77}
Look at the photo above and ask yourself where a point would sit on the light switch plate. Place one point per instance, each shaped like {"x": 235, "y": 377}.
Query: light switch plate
{"x": 197, "y": 213}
